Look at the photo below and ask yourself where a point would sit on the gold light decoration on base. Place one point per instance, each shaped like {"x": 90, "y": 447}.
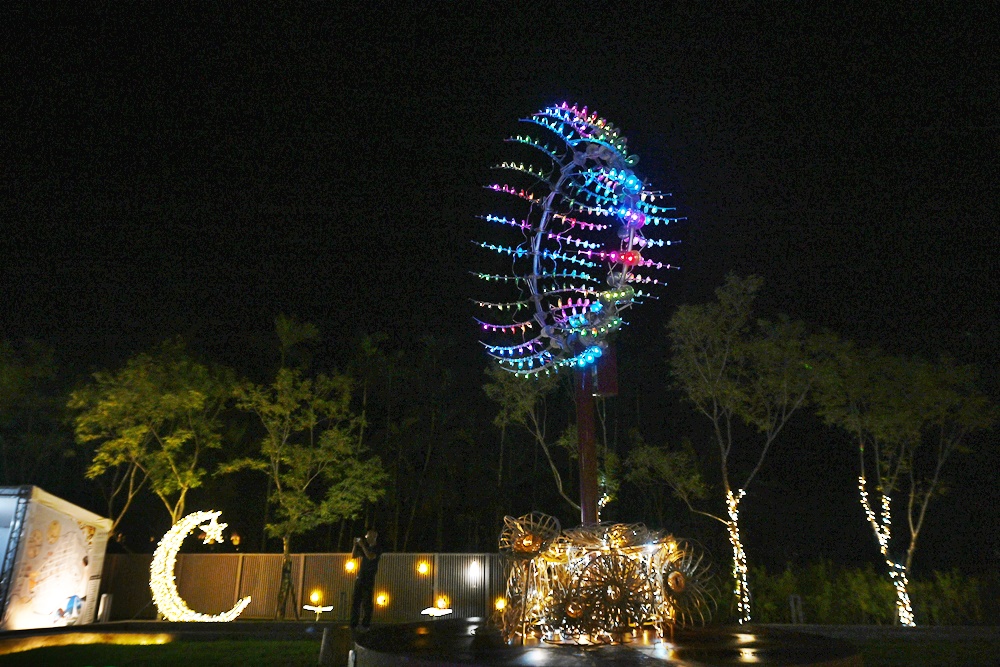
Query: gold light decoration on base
{"x": 161, "y": 571}
{"x": 596, "y": 584}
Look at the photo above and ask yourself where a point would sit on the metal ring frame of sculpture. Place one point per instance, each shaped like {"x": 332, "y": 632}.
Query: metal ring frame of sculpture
{"x": 588, "y": 184}
{"x": 596, "y": 583}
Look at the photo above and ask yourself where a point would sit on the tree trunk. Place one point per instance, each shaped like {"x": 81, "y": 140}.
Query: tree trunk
{"x": 742, "y": 589}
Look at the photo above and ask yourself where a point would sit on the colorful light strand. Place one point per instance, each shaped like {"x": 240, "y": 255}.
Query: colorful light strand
{"x": 589, "y": 177}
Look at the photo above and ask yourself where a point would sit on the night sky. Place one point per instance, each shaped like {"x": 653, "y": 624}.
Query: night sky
{"x": 198, "y": 171}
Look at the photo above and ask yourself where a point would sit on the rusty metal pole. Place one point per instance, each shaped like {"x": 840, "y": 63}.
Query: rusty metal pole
{"x": 587, "y": 443}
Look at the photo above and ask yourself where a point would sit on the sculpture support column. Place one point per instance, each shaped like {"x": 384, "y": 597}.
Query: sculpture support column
{"x": 587, "y": 443}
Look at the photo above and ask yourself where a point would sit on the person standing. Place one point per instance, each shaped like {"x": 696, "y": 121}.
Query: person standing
{"x": 368, "y": 551}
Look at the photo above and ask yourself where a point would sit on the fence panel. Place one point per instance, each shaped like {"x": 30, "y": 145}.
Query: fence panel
{"x": 207, "y": 582}
{"x": 126, "y": 578}
{"x": 409, "y": 582}
{"x": 327, "y": 575}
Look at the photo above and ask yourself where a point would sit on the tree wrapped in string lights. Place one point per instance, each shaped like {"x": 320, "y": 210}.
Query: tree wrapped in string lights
{"x": 579, "y": 263}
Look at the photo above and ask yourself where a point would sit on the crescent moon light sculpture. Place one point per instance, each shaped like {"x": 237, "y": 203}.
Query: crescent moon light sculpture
{"x": 161, "y": 571}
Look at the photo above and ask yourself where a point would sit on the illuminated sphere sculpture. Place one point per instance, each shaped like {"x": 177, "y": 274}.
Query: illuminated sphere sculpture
{"x": 585, "y": 250}
{"x": 596, "y": 583}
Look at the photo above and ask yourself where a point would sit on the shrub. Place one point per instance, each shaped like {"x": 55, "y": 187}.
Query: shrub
{"x": 862, "y": 596}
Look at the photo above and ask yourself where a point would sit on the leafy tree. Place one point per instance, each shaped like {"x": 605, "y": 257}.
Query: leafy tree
{"x": 525, "y": 403}
{"x": 735, "y": 370}
{"x": 309, "y": 451}
{"x": 151, "y": 423}
{"x": 650, "y": 467}
{"x": 907, "y": 417}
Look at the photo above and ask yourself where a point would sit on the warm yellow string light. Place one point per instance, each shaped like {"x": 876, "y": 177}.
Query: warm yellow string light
{"x": 883, "y": 532}
{"x": 161, "y": 571}
{"x": 742, "y": 589}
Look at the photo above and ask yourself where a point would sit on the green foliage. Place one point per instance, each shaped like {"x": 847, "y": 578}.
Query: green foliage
{"x": 520, "y": 400}
{"x": 736, "y": 371}
{"x": 152, "y": 421}
{"x": 650, "y": 466}
{"x": 706, "y": 344}
{"x": 291, "y": 335}
{"x": 949, "y": 598}
{"x": 310, "y": 452}
{"x": 907, "y": 418}
{"x": 861, "y": 596}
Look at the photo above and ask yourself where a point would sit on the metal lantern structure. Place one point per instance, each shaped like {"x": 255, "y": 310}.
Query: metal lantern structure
{"x": 597, "y": 583}
{"x": 581, "y": 258}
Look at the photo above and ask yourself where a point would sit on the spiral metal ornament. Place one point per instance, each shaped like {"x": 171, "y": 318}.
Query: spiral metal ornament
{"x": 687, "y": 585}
{"x": 616, "y": 594}
{"x": 583, "y": 254}
{"x": 527, "y": 536}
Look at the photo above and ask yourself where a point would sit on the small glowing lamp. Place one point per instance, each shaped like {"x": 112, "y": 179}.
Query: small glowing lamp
{"x": 235, "y": 539}
{"x": 351, "y": 565}
{"x": 500, "y": 604}
{"x": 441, "y": 602}
{"x": 382, "y": 599}
{"x": 423, "y": 567}
{"x": 316, "y": 607}
{"x": 631, "y": 257}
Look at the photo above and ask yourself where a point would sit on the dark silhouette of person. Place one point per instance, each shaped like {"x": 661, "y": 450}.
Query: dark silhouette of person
{"x": 368, "y": 551}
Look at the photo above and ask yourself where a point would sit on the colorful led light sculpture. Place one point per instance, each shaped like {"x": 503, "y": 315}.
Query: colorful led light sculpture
{"x": 589, "y": 219}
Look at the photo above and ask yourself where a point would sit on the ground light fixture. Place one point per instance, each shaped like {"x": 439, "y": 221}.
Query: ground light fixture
{"x": 315, "y": 598}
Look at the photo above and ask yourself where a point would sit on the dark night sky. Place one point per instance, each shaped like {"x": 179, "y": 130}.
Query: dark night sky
{"x": 199, "y": 171}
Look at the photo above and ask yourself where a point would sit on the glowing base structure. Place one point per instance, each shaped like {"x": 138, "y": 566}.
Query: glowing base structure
{"x": 161, "y": 571}
{"x": 597, "y": 583}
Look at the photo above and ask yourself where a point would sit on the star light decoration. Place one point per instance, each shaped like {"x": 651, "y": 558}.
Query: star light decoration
{"x": 596, "y": 583}
{"x": 580, "y": 262}
{"x": 162, "y": 583}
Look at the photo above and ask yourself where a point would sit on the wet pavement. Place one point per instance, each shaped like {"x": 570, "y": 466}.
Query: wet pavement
{"x": 461, "y": 642}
